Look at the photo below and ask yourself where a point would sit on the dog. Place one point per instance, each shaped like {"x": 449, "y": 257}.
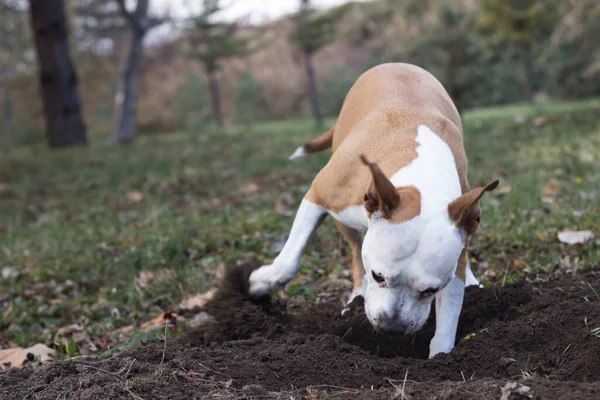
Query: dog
{"x": 398, "y": 176}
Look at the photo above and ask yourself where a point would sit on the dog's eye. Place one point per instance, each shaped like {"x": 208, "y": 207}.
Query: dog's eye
{"x": 429, "y": 291}
{"x": 378, "y": 278}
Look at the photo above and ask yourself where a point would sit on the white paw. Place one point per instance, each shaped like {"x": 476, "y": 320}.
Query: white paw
{"x": 440, "y": 346}
{"x": 471, "y": 280}
{"x": 353, "y": 296}
{"x": 261, "y": 281}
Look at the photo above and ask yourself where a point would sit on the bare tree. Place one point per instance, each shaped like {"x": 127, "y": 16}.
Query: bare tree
{"x": 314, "y": 31}
{"x": 212, "y": 41}
{"x": 308, "y": 63}
{"x": 140, "y": 23}
{"x": 59, "y": 84}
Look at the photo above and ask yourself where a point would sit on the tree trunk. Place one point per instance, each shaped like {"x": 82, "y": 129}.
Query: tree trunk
{"x": 126, "y": 97}
{"x": 312, "y": 92}
{"x": 215, "y": 98}
{"x": 60, "y": 95}
{"x": 7, "y": 123}
{"x": 528, "y": 63}
{"x": 310, "y": 72}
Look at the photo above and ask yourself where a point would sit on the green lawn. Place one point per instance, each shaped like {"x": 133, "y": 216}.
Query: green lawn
{"x": 78, "y": 226}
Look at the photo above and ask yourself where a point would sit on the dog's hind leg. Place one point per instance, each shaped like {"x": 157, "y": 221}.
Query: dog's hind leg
{"x": 354, "y": 239}
{"x": 286, "y": 264}
{"x": 470, "y": 279}
{"x": 359, "y": 283}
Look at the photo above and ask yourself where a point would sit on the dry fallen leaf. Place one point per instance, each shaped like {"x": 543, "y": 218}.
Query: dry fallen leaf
{"x": 575, "y": 237}
{"x": 220, "y": 274}
{"x": 135, "y": 196}
{"x": 540, "y": 121}
{"x": 146, "y": 276}
{"x": 516, "y": 265}
{"x": 159, "y": 322}
{"x": 551, "y": 188}
{"x": 250, "y": 188}
{"x": 503, "y": 190}
{"x": 515, "y": 388}
{"x": 199, "y": 319}
{"x": 586, "y": 156}
{"x": 197, "y": 301}
{"x": 190, "y": 171}
{"x": 17, "y": 356}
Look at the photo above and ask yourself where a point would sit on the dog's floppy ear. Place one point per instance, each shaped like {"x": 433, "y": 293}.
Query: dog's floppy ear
{"x": 382, "y": 194}
{"x": 465, "y": 211}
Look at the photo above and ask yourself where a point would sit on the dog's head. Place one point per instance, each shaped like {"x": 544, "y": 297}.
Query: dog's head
{"x": 409, "y": 257}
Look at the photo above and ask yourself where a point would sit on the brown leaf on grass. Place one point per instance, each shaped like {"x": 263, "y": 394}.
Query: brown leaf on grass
{"x": 155, "y": 323}
{"x": 81, "y": 339}
{"x": 17, "y": 356}
{"x": 584, "y": 155}
{"x": 540, "y": 121}
{"x": 250, "y": 188}
{"x": 551, "y": 188}
{"x": 575, "y": 237}
{"x": 502, "y": 190}
{"x": 135, "y": 196}
{"x": 146, "y": 276}
{"x": 159, "y": 322}
{"x": 220, "y": 273}
{"x": 517, "y": 265}
{"x": 190, "y": 171}
{"x": 197, "y": 301}
{"x": 199, "y": 319}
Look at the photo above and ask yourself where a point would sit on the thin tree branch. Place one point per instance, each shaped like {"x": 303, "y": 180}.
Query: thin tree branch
{"x": 127, "y": 15}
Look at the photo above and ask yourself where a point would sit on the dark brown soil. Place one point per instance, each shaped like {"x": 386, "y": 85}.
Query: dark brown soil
{"x": 524, "y": 340}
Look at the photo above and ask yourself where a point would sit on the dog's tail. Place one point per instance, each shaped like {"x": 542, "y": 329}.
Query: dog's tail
{"x": 321, "y": 143}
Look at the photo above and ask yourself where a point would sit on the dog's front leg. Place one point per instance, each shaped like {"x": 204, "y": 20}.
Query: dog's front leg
{"x": 448, "y": 304}
{"x": 286, "y": 265}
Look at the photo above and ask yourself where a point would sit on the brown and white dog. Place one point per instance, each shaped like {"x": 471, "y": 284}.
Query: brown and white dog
{"x": 398, "y": 174}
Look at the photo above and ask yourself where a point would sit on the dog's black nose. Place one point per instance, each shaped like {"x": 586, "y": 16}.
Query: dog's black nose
{"x": 389, "y": 325}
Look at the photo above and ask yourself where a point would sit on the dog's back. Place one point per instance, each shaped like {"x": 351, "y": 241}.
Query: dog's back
{"x": 380, "y": 119}
{"x": 395, "y": 89}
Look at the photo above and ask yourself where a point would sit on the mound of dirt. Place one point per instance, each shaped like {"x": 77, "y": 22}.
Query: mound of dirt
{"x": 524, "y": 340}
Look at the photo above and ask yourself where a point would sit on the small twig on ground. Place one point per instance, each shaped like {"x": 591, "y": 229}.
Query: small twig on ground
{"x": 463, "y": 376}
{"x": 101, "y": 370}
{"x": 594, "y": 290}
{"x": 35, "y": 389}
{"x": 135, "y": 396}
{"x": 505, "y": 274}
{"x": 212, "y": 370}
{"x": 243, "y": 342}
{"x": 347, "y": 333}
{"x": 129, "y": 368}
{"x": 404, "y": 396}
{"x": 165, "y": 344}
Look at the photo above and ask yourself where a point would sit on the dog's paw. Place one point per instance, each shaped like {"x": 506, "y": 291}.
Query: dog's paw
{"x": 261, "y": 281}
{"x": 440, "y": 346}
{"x": 355, "y": 300}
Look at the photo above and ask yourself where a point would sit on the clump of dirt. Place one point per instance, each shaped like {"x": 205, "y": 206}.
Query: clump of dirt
{"x": 524, "y": 340}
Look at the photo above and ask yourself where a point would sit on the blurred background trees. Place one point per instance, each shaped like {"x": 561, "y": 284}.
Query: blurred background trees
{"x": 59, "y": 83}
{"x": 212, "y": 41}
{"x": 210, "y": 66}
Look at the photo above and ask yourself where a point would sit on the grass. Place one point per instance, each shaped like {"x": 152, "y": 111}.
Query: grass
{"x": 79, "y": 226}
